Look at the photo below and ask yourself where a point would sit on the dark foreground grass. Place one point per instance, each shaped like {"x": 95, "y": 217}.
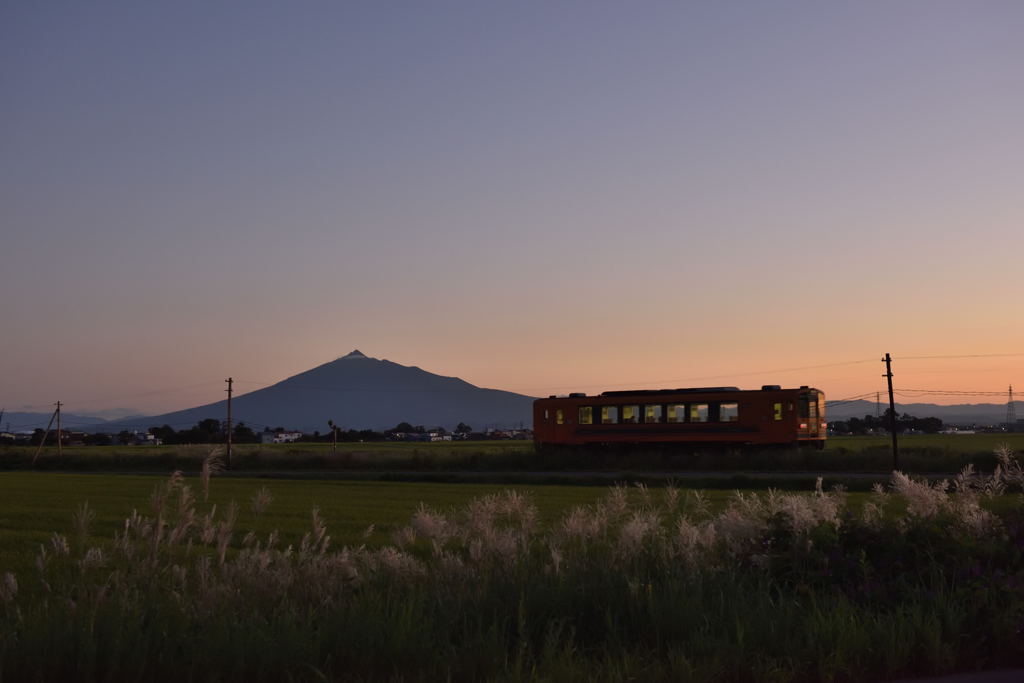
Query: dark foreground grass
{"x": 586, "y": 627}
{"x": 636, "y": 586}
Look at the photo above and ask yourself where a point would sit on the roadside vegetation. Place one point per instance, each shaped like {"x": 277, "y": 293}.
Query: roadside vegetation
{"x": 922, "y": 454}
{"x": 920, "y": 578}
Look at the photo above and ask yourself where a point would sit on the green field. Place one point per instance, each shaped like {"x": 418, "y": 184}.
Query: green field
{"x": 938, "y": 453}
{"x": 957, "y": 443}
{"x": 34, "y": 505}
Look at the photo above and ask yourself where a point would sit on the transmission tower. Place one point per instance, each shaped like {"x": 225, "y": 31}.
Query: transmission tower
{"x": 1011, "y": 413}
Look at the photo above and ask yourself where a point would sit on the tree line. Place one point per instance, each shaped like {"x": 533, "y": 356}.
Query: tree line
{"x": 213, "y": 431}
{"x": 871, "y": 423}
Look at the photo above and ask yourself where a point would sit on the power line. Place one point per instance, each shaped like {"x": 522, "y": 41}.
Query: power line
{"x": 968, "y": 355}
{"x": 953, "y": 392}
{"x": 851, "y": 399}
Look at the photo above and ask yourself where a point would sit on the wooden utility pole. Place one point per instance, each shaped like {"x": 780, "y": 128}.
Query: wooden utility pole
{"x": 230, "y": 381}
{"x": 60, "y": 436}
{"x": 43, "y": 440}
{"x": 334, "y": 436}
{"x": 892, "y": 414}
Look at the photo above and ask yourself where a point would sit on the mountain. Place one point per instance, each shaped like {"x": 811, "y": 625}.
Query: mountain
{"x": 358, "y": 392}
{"x": 26, "y": 422}
{"x": 965, "y": 413}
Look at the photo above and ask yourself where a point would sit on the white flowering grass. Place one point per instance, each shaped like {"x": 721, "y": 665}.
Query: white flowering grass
{"x": 491, "y": 589}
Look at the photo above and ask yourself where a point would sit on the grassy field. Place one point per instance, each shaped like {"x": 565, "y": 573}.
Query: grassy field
{"x": 565, "y": 583}
{"x": 956, "y": 443}
{"x": 34, "y": 505}
{"x": 919, "y": 453}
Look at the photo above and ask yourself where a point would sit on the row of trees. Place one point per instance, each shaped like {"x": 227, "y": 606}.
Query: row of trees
{"x": 205, "y": 431}
{"x": 870, "y": 424}
{"x": 214, "y": 431}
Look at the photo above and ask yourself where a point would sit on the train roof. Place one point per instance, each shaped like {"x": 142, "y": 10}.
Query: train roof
{"x": 684, "y": 390}
{"x": 654, "y": 392}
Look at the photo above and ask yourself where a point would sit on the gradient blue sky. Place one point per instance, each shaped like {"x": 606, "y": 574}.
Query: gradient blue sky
{"x": 533, "y": 196}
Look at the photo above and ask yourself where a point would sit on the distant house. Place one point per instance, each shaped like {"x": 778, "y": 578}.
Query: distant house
{"x": 280, "y": 437}
{"x": 517, "y": 434}
{"x": 74, "y": 438}
{"x": 139, "y": 438}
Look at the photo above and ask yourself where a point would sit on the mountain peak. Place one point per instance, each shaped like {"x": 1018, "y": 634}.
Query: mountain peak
{"x": 354, "y": 354}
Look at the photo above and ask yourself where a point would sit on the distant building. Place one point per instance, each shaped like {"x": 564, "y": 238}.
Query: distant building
{"x": 74, "y": 438}
{"x": 280, "y": 437}
{"x": 144, "y": 439}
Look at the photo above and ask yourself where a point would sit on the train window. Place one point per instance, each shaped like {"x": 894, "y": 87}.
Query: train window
{"x": 609, "y": 415}
{"x": 546, "y": 416}
{"x": 777, "y": 411}
{"x": 698, "y": 412}
{"x": 729, "y": 412}
{"x": 586, "y": 415}
{"x": 652, "y": 414}
{"x": 559, "y": 417}
{"x": 630, "y": 415}
{"x": 677, "y": 413}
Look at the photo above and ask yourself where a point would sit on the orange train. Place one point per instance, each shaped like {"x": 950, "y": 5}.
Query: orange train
{"x": 708, "y": 416}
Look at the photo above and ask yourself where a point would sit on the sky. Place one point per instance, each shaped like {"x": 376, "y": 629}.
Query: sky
{"x": 534, "y": 196}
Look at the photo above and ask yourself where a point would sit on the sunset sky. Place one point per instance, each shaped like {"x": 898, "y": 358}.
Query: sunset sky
{"x": 541, "y": 197}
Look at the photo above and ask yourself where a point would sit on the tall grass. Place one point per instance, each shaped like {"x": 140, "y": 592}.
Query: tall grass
{"x": 925, "y": 578}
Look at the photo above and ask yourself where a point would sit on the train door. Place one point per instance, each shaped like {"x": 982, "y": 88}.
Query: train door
{"x": 543, "y": 424}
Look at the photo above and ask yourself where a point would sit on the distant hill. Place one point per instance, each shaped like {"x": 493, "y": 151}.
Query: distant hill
{"x": 965, "y": 413}
{"x": 26, "y": 422}
{"x": 361, "y": 393}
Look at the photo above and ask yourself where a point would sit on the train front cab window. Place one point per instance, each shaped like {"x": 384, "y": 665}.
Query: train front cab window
{"x": 609, "y": 415}
{"x": 586, "y": 415}
{"x": 807, "y": 403}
